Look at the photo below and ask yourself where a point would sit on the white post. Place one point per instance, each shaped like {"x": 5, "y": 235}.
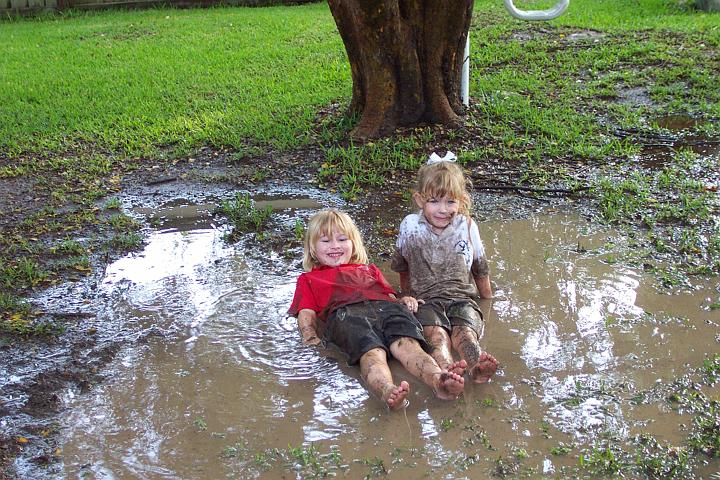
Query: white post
{"x": 465, "y": 76}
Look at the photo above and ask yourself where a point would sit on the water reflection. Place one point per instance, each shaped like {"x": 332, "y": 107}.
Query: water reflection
{"x": 178, "y": 264}
{"x": 575, "y": 336}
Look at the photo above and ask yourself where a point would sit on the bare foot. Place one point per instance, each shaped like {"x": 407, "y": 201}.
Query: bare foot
{"x": 395, "y": 396}
{"x": 457, "y": 367}
{"x": 484, "y": 369}
{"x": 449, "y": 386}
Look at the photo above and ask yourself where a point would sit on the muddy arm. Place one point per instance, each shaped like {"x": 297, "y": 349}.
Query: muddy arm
{"x": 404, "y": 282}
{"x": 307, "y": 324}
{"x": 483, "y": 286}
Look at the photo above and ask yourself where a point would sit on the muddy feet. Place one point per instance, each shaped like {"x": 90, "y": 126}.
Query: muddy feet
{"x": 396, "y": 396}
{"x": 449, "y": 385}
{"x": 458, "y": 367}
{"x": 484, "y": 369}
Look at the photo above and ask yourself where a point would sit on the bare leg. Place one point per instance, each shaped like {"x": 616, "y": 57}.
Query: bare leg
{"x": 447, "y": 385}
{"x": 481, "y": 365}
{"x": 439, "y": 339}
{"x": 375, "y": 371}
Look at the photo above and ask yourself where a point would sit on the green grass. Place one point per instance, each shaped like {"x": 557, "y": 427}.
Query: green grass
{"x": 22, "y": 273}
{"x": 711, "y": 369}
{"x": 358, "y": 168}
{"x": 136, "y": 80}
{"x": 85, "y": 97}
{"x": 555, "y": 92}
{"x": 243, "y": 216}
{"x": 123, "y": 242}
{"x": 611, "y": 15}
{"x": 674, "y": 15}
{"x": 607, "y": 456}
{"x": 676, "y": 209}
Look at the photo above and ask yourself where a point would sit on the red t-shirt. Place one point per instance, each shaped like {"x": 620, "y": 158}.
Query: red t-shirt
{"x": 325, "y": 289}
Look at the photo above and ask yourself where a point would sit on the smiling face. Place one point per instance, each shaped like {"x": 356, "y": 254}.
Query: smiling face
{"x": 332, "y": 238}
{"x": 333, "y": 250}
{"x": 438, "y": 211}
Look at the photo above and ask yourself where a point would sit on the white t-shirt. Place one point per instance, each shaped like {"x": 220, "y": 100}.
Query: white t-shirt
{"x": 440, "y": 265}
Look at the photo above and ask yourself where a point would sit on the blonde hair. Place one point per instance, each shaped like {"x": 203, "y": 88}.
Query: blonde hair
{"x": 324, "y": 223}
{"x": 444, "y": 178}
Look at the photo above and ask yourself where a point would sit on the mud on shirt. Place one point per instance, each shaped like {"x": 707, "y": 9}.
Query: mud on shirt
{"x": 325, "y": 289}
{"x": 440, "y": 266}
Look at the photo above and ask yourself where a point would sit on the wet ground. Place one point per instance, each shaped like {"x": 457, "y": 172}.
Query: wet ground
{"x": 179, "y": 362}
{"x": 209, "y": 378}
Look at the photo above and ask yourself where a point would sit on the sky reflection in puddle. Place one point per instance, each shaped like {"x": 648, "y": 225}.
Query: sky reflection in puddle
{"x": 576, "y": 337}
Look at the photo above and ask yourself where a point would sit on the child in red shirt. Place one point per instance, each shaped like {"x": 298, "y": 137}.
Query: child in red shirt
{"x": 349, "y": 303}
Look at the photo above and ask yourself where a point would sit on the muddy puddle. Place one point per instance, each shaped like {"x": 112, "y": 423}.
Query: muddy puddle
{"x": 224, "y": 389}
{"x": 680, "y": 134}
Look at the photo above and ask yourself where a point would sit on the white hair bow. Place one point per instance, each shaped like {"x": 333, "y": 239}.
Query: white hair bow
{"x": 435, "y": 158}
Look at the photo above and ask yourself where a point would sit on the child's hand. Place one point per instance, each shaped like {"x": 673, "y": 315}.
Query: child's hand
{"x": 312, "y": 341}
{"x": 411, "y": 303}
{"x": 309, "y": 336}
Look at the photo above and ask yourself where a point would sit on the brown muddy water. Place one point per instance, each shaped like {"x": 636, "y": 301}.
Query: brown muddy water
{"x": 226, "y": 390}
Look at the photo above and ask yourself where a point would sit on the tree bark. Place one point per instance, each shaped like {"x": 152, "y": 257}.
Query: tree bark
{"x": 708, "y": 5}
{"x": 405, "y": 58}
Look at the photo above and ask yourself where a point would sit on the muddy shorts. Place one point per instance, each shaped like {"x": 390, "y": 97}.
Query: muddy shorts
{"x": 451, "y": 313}
{"x": 357, "y": 328}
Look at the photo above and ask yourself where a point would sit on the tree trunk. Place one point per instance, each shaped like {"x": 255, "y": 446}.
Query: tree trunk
{"x": 405, "y": 57}
{"x": 708, "y": 5}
